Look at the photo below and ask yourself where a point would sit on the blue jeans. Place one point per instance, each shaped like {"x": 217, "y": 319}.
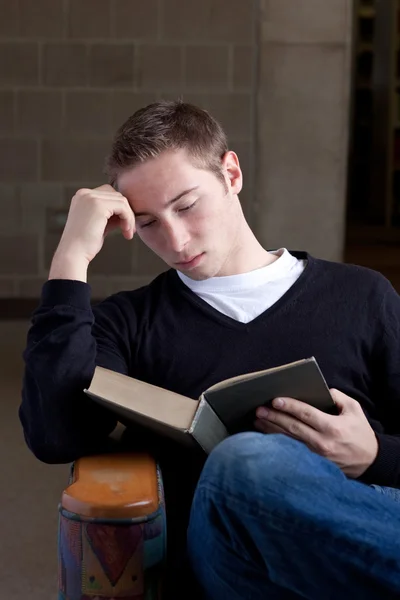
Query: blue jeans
{"x": 271, "y": 519}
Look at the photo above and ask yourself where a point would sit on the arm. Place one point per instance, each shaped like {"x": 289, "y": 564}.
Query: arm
{"x": 385, "y": 470}
{"x": 368, "y": 451}
{"x": 67, "y": 339}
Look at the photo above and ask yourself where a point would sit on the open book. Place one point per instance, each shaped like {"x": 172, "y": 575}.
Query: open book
{"x": 225, "y": 408}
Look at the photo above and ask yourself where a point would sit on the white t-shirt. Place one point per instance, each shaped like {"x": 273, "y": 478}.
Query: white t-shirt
{"x": 244, "y": 297}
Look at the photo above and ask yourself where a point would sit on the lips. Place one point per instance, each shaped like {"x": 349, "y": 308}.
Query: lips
{"x": 192, "y": 262}
{"x": 188, "y": 260}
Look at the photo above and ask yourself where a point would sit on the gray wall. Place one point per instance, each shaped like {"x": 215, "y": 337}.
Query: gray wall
{"x": 275, "y": 73}
{"x": 303, "y": 124}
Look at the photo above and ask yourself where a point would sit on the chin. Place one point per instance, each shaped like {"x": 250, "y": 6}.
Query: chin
{"x": 201, "y": 274}
{"x": 198, "y": 276}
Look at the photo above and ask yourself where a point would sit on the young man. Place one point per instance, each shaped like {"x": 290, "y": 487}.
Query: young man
{"x": 292, "y": 514}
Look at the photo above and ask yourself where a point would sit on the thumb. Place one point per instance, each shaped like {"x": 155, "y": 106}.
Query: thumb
{"x": 342, "y": 401}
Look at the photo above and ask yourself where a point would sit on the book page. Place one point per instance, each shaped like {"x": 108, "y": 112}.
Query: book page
{"x": 143, "y": 398}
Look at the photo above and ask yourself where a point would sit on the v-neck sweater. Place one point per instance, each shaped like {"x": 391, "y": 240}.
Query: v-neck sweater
{"x": 348, "y": 317}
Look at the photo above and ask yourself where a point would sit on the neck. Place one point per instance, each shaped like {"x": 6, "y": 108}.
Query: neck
{"x": 247, "y": 254}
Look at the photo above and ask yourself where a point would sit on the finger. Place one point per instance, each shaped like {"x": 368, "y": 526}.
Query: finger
{"x": 264, "y": 426}
{"x": 106, "y": 187}
{"x": 105, "y": 194}
{"x": 98, "y": 193}
{"x": 113, "y": 224}
{"x": 292, "y": 426}
{"x": 127, "y": 229}
{"x": 343, "y": 402}
{"x": 116, "y": 222}
{"x": 119, "y": 207}
{"x": 311, "y": 416}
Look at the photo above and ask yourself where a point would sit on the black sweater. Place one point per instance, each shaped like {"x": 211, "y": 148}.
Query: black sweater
{"x": 348, "y": 317}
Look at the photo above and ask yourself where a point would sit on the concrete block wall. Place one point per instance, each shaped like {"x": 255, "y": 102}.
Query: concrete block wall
{"x": 71, "y": 71}
{"x": 303, "y": 124}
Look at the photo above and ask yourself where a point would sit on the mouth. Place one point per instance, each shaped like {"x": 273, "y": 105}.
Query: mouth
{"x": 191, "y": 263}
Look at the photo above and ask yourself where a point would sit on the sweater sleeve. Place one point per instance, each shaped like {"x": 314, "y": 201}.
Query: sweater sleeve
{"x": 66, "y": 340}
{"x": 385, "y": 470}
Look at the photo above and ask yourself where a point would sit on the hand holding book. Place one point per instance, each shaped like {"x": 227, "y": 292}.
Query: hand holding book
{"x": 347, "y": 439}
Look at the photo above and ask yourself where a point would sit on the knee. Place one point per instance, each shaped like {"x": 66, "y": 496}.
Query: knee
{"x": 246, "y": 458}
{"x": 246, "y": 472}
{"x": 245, "y": 446}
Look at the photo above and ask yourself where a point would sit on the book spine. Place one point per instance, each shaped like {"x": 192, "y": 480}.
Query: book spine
{"x": 207, "y": 428}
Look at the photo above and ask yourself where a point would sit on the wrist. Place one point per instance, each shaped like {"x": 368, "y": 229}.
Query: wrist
{"x": 369, "y": 458}
{"x": 68, "y": 265}
{"x": 372, "y": 452}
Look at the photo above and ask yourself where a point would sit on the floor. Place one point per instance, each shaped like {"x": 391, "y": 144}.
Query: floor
{"x": 29, "y": 491}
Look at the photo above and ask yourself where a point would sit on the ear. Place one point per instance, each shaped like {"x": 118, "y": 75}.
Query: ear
{"x": 232, "y": 171}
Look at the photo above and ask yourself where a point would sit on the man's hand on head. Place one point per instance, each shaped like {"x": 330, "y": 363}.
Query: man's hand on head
{"x": 92, "y": 215}
{"x": 346, "y": 439}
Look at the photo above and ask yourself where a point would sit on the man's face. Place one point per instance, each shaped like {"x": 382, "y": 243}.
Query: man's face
{"x": 185, "y": 214}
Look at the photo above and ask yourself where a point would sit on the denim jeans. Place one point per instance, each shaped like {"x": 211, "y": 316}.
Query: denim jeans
{"x": 272, "y": 519}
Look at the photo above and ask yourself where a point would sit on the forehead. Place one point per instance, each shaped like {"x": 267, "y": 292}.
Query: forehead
{"x": 158, "y": 180}
{"x": 164, "y": 168}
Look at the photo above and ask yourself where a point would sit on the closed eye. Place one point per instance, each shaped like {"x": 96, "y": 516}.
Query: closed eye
{"x": 147, "y": 224}
{"x": 187, "y": 207}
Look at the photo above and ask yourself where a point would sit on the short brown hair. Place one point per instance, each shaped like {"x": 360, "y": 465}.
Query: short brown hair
{"x": 167, "y": 125}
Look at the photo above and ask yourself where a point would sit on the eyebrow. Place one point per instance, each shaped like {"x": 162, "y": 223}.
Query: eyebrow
{"x": 172, "y": 201}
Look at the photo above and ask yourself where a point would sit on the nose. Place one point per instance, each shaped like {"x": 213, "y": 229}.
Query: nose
{"x": 176, "y": 236}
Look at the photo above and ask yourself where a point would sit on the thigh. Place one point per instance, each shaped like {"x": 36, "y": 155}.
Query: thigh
{"x": 293, "y": 516}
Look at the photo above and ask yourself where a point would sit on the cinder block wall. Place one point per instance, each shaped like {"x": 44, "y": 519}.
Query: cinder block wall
{"x": 304, "y": 89}
{"x": 70, "y": 72}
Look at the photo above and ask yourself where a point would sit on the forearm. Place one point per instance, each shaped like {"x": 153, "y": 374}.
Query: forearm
{"x": 385, "y": 386}
{"x": 68, "y": 266}
{"x": 60, "y": 422}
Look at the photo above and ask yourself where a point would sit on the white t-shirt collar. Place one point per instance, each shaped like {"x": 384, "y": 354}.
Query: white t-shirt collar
{"x": 245, "y": 281}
